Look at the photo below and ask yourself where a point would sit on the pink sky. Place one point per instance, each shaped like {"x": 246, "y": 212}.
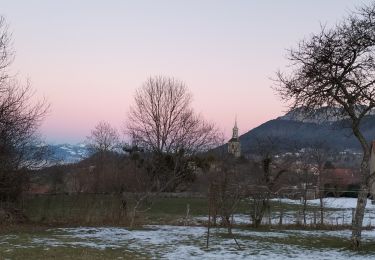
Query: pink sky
{"x": 88, "y": 57}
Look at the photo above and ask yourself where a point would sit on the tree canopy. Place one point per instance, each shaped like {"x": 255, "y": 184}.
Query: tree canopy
{"x": 336, "y": 68}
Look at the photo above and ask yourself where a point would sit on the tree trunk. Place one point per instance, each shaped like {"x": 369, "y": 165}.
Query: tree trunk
{"x": 321, "y": 209}
{"x": 304, "y": 205}
{"x": 320, "y": 194}
{"x": 361, "y": 202}
{"x": 256, "y": 222}
{"x": 363, "y": 192}
{"x": 358, "y": 218}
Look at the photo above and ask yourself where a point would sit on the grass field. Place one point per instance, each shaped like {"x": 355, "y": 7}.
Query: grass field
{"x": 86, "y": 227}
{"x": 106, "y": 209}
{"x": 102, "y": 209}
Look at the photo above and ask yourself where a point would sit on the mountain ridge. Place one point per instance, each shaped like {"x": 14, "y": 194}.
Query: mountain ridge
{"x": 297, "y": 132}
{"x": 290, "y": 131}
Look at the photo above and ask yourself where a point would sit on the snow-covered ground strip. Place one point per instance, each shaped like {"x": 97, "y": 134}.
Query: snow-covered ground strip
{"x": 180, "y": 242}
{"x": 338, "y": 211}
{"x": 334, "y": 203}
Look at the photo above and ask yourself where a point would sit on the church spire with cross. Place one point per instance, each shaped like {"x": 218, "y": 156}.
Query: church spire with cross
{"x": 235, "y": 129}
{"x": 234, "y": 145}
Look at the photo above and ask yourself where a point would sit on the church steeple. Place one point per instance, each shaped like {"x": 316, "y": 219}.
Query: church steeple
{"x": 234, "y": 146}
{"x": 235, "y": 129}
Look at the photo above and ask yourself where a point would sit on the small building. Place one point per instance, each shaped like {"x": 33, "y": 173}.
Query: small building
{"x": 341, "y": 176}
{"x": 340, "y": 181}
{"x": 234, "y": 145}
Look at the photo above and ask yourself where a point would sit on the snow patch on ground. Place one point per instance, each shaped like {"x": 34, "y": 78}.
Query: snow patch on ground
{"x": 183, "y": 242}
{"x": 333, "y": 203}
{"x": 338, "y": 211}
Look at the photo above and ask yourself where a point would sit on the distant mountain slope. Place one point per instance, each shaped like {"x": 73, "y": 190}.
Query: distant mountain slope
{"x": 290, "y": 133}
{"x": 68, "y": 153}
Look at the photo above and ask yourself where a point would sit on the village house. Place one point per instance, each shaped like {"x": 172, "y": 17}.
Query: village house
{"x": 341, "y": 181}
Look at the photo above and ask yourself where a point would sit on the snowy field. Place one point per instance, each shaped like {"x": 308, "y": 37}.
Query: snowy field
{"x": 338, "y": 211}
{"x": 333, "y": 203}
{"x": 179, "y": 242}
{"x": 189, "y": 242}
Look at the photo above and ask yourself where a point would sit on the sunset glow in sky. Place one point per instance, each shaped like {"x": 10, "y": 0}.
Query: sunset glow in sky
{"x": 87, "y": 57}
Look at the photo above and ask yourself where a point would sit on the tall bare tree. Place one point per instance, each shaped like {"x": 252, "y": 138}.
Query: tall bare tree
{"x": 103, "y": 138}
{"x": 162, "y": 119}
{"x": 20, "y": 117}
{"x": 336, "y": 68}
{"x": 163, "y": 123}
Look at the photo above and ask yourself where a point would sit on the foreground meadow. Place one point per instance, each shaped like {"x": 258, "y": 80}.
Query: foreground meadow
{"x": 180, "y": 242}
{"x": 166, "y": 232}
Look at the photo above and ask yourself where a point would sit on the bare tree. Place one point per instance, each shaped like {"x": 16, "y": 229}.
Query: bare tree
{"x": 269, "y": 168}
{"x": 167, "y": 139}
{"x": 306, "y": 179}
{"x": 318, "y": 154}
{"x": 103, "y": 138}
{"x": 163, "y": 123}
{"x": 102, "y": 145}
{"x": 20, "y": 118}
{"x": 336, "y": 68}
{"x": 225, "y": 189}
{"x": 6, "y": 51}
{"x": 225, "y": 184}
{"x": 162, "y": 119}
